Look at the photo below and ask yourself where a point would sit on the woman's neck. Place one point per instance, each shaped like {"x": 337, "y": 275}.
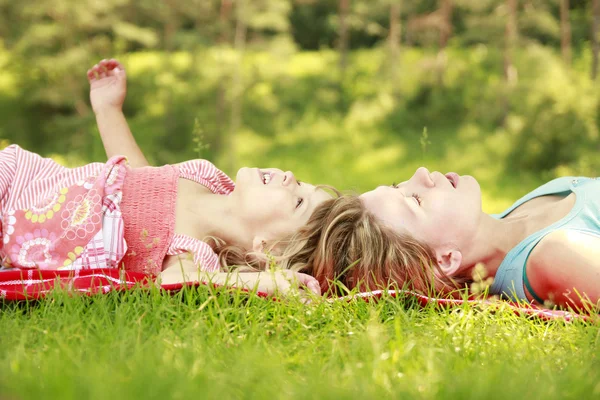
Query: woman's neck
{"x": 493, "y": 241}
{"x": 497, "y": 237}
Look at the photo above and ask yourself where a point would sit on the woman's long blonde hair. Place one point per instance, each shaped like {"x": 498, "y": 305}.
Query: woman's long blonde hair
{"x": 344, "y": 242}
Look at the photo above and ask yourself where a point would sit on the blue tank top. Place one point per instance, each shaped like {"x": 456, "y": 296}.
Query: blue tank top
{"x": 583, "y": 217}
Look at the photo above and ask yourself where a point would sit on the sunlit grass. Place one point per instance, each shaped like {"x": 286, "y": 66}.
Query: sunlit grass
{"x": 206, "y": 344}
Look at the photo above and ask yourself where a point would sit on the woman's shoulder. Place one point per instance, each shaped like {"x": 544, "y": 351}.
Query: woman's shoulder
{"x": 564, "y": 260}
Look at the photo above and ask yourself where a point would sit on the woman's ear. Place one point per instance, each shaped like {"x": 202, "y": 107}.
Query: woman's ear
{"x": 449, "y": 261}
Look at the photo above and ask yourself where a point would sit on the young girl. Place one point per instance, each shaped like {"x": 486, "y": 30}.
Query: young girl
{"x": 125, "y": 213}
{"x": 430, "y": 233}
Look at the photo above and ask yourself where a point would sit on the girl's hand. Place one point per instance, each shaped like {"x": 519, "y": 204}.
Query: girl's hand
{"x": 108, "y": 85}
{"x": 282, "y": 283}
{"x": 285, "y": 283}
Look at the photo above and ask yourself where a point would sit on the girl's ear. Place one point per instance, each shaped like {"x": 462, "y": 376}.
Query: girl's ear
{"x": 258, "y": 244}
{"x": 449, "y": 261}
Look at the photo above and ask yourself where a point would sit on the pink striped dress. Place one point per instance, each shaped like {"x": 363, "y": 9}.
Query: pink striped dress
{"x": 101, "y": 215}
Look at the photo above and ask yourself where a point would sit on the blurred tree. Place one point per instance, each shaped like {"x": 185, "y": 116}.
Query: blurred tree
{"x": 264, "y": 19}
{"x": 237, "y": 89}
{"x": 595, "y": 45}
{"x": 510, "y": 42}
{"x": 232, "y": 65}
{"x": 565, "y": 31}
{"x": 426, "y": 28}
{"x": 344, "y": 8}
{"x": 395, "y": 41}
{"x": 540, "y": 21}
{"x": 224, "y": 41}
{"x": 311, "y": 23}
{"x": 52, "y": 51}
{"x": 434, "y": 27}
{"x": 445, "y": 28}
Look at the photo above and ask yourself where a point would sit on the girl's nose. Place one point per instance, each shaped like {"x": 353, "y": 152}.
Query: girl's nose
{"x": 289, "y": 178}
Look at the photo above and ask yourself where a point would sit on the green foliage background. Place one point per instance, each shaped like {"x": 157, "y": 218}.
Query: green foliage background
{"x": 262, "y": 83}
{"x": 375, "y": 123}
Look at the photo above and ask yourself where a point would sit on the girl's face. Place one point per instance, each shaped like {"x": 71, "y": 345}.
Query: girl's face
{"x": 440, "y": 210}
{"x": 274, "y": 204}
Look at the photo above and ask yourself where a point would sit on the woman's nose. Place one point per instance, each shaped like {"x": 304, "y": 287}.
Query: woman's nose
{"x": 423, "y": 176}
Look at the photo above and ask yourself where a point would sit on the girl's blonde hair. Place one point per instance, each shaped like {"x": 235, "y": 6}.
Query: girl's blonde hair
{"x": 237, "y": 257}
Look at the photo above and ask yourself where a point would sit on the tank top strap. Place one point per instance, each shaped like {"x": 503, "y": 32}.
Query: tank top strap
{"x": 555, "y": 186}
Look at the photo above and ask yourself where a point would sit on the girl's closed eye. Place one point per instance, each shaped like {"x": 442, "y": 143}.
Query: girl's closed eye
{"x": 417, "y": 198}
{"x": 299, "y": 182}
{"x": 299, "y": 202}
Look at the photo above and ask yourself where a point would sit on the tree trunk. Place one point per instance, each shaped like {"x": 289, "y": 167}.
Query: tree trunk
{"x": 395, "y": 40}
{"x": 221, "y": 103}
{"x": 171, "y": 26}
{"x": 446, "y": 25}
{"x": 235, "y": 120}
{"x": 595, "y": 45}
{"x": 510, "y": 38}
{"x": 224, "y": 15}
{"x": 565, "y": 32}
{"x": 344, "y": 6}
{"x": 445, "y": 31}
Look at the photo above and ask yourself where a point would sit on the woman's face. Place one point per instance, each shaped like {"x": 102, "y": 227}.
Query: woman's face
{"x": 274, "y": 204}
{"x": 438, "y": 209}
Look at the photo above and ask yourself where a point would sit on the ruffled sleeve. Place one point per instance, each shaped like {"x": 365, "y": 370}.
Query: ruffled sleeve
{"x": 203, "y": 255}
{"x": 205, "y": 173}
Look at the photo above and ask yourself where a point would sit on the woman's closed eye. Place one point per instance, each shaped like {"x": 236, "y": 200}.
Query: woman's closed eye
{"x": 299, "y": 182}
{"x": 299, "y": 202}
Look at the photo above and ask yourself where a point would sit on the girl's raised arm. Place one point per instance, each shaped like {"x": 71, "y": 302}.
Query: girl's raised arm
{"x": 108, "y": 87}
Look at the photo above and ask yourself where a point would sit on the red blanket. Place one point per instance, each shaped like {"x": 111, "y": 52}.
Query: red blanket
{"x": 35, "y": 284}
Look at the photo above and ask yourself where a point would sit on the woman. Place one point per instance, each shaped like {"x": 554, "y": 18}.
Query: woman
{"x": 429, "y": 233}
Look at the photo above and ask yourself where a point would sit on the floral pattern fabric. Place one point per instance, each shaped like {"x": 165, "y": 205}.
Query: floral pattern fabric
{"x": 59, "y": 218}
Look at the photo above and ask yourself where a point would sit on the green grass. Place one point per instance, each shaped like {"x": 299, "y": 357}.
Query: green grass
{"x": 209, "y": 344}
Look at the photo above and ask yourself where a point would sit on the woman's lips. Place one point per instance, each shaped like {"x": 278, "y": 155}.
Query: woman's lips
{"x": 454, "y": 178}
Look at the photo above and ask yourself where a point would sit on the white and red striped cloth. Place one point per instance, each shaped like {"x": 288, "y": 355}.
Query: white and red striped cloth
{"x": 36, "y": 284}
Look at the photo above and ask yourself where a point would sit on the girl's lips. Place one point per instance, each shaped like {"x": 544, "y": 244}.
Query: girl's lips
{"x": 454, "y": 178}
{"x": 265, "y": 177}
